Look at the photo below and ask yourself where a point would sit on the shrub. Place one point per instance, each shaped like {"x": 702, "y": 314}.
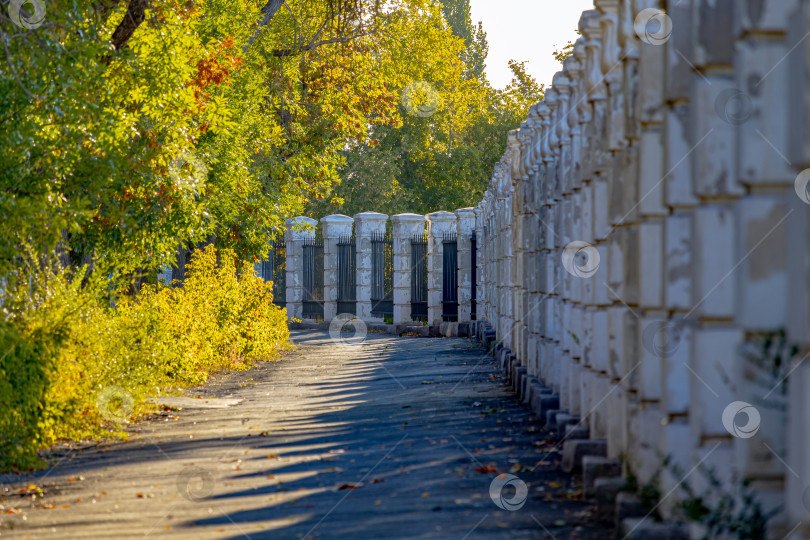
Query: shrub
{"x": 72, "y": 365}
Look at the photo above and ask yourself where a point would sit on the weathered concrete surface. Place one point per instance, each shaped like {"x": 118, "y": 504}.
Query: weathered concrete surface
{"x": 405, "y": 420}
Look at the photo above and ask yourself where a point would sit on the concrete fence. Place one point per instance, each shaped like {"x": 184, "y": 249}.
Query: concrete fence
{"x": 643, "y": 250}
{"x": 435, "y": 227}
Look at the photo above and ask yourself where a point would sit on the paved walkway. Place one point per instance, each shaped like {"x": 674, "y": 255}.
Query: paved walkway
{"x": 397, "y": 438}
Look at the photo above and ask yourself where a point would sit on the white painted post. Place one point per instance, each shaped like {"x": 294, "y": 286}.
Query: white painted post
{"x": 367, "y": 224}
{"x": 406, "y": 226}
{"x": 465, "y": 227}
{"x": 439, "y": 224}
{"x": 334, "y": 227}
{"x": 298, "y": 229}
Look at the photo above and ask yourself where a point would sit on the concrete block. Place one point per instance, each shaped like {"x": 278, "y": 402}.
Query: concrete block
{"x": 628, "y": 505}
{"x": 605, "y": 491}
{"x": 714, "y": 235}
{"x": 543, "y": 403}
{"x": 678, "y": 181}
{"x": 678, "y": 261}
{"x": 551, "y": 417}
{"x": 762, "y": 288}
{"x": 564, "y": 420}
{"x": 575, "y": 450}
{"x": 714, "y": 357}
{"x": 519, "y": 373}
{"x": 576, "y": 431}
{"x": 595, "y": 467}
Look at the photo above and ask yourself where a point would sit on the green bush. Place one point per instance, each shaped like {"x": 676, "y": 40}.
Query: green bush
{"x": 72, "y": 367}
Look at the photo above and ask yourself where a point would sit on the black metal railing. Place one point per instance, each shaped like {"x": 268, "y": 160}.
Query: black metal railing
{"x": 473, "y": 276}
{"x": 313, "y": 278}
{"x": 382, "y": 275}
{"x": 347, "y": 275}
{"x": 278, "y": 269}
{"x": 449, "y": 277}
{"x": 274, "y": 269}
{"x": 419, "y": 278}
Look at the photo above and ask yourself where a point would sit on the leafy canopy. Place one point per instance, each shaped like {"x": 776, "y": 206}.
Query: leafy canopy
{"x": 130, "y": 127}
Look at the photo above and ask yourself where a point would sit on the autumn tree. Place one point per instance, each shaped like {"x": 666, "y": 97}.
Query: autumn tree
{"x": 127, "y": 128}
{"x": 441, "y": 161}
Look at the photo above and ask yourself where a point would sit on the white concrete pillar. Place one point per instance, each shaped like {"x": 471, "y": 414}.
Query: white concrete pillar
{"x": 465, "y": 226}
{"x": 334, "y": 227}
{"x": 439, "y": 224}
{"x": 406, "y": 226}
{"x": 297, "y": 230}
{"x": 367, "y": 224}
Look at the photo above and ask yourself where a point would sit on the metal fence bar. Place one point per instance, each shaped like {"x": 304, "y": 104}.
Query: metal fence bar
{"x": 419, "y": 278}
{"x": 450, "y": 278}
{"x": 278, "y": 272}
{"x": 313, "y": 278}
{"x": 473, "y": 275}
{"x": 347, "y": 275}
{"x": 382, "y": 275}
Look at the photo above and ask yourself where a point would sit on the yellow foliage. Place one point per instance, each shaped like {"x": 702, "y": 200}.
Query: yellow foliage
{"x": 75, "y": 367}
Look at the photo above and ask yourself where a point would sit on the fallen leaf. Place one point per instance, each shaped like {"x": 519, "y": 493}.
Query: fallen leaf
{"x": 349, "y": 486}
{"x": 378, "y": 480}
{"x": 486, "y": 469}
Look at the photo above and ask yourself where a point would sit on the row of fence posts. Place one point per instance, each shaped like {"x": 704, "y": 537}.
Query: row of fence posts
{"x": 411, "y": 268}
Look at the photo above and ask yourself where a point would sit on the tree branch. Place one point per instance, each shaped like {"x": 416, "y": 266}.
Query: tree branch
{"x": 315, "y": 45}
{"x": 270, "y": 10}
{"x": 132, "y": 19}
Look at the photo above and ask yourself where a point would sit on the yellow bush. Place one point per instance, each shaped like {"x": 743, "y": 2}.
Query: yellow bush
{"x": 75, "y": 365}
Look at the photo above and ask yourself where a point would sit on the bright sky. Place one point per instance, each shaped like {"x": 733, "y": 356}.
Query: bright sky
{"x": 527, "y": 30}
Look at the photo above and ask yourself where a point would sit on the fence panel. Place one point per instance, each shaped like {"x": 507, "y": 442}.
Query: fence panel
{"x": 313, "y": 278}
{"x": 278, "y": 269}
{"x": 275, "y": 269}
{"x": 347, "y": 275}
{"x": 419, "y": 278}
{"x": 473, "y": 275}
{"x": 382, "y": 275}
{"x": 450, "y": 278}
